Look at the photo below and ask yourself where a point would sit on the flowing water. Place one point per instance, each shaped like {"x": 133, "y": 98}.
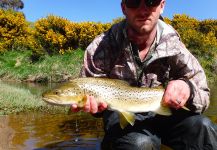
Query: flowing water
{"x": 80, "y": 131}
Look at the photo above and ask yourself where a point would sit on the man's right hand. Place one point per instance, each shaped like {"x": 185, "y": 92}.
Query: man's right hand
{"x": 91, "y": 106}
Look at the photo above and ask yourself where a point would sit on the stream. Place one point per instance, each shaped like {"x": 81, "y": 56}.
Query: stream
{"x": 79, "y": 131}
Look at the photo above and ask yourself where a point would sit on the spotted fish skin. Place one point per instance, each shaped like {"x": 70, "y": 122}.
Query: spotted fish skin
{"x": 118, "y": 94}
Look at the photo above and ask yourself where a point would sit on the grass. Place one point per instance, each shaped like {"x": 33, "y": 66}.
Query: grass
{"x": 17, "y": 100}
{"x": 16, "y": 65}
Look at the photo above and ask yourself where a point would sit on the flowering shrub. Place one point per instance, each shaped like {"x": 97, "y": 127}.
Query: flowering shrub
{"x": 14, "y": 31}
{"x": 200, "y": 37}
{"x": 88, "y": 31}
{"x": 50, "y": 32}
{"x": 167, "y": 20}
{"x": 58, "y": 35}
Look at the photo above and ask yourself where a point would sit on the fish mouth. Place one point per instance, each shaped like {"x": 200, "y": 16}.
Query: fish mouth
{"x": 56, "y": 102}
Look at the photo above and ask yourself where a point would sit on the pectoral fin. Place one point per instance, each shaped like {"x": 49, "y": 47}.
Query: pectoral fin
{"x": 164, "y": 110}
{"x": 185, "y": 108}
{"x": 126, "y": 118}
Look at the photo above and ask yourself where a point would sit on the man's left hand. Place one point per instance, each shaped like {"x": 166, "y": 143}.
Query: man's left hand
{"x": 176, "y": 94}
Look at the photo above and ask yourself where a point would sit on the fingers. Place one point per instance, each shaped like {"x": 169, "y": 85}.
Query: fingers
{"x": 172, "y": 100}
{"x": 93, "y": 105}
{"x": 174, "y": 103}
{"x": 176, "y": 94}
{"x": 102, "y": 107}
{"x": 74, "y": 108}
{"x": 87, "y": 104}
{"x": 90, "y": 106}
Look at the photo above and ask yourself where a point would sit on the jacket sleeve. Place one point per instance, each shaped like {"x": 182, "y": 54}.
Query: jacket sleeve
{"x": 185, "y": 66}
{"x": 95, "y": 61}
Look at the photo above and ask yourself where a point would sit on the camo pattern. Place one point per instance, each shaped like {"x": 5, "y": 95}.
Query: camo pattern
{"x": 111, "y": 55}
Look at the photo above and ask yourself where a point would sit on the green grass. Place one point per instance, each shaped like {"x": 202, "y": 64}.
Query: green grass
{"x": 15, "y": 100}
{"x": 17, "y": 65}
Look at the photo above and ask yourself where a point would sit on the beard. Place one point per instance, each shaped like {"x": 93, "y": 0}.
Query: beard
{"x": 142, "y": 29}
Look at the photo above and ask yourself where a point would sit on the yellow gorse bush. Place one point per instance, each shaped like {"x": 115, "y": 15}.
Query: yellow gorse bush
{"x": 88, "y": 31}
{"x": 15, "y": 32}
{"x": 50, "y": 33}
{"x": 198, "y": 36}
{"x": 58, "y": 35}
{"x": 54, "y": 35}
{"x": 208, "y": 25}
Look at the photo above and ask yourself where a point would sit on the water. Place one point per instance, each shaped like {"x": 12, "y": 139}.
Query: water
{"x": 79, "y": 131}
{"x": 46, "y": 131}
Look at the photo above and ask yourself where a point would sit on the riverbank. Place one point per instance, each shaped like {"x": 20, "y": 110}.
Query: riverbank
{"x": 17, "y": 66}
{"x": 15, "y": 100}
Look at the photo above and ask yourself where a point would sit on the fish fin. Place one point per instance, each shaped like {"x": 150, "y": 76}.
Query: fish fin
{"x": 85, "y": 98}
{"x": 82, "y": 100}
{"x": 126, "y": 118}
{"x": 164, "y": 110}
{"x": 186, "y": 108}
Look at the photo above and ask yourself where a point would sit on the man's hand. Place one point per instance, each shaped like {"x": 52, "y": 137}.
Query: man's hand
{"x": 176, "y": 94}
{"x": 91, "y": 106}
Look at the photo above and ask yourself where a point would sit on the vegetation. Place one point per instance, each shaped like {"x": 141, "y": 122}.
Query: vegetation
{"x": 15, "y": 32}
{"x": 55, "y": 36}
{"x": 200, "y": 38}
{"x": 17, "y": 65}
{"x": 51, "y": 49}
{"x": 17, "y": 100}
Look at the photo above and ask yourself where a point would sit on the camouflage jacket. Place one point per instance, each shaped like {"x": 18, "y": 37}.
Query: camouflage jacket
{"x": 111, "y": 55}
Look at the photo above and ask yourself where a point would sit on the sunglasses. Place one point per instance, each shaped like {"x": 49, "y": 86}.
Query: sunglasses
{"x": 136, "y": 3}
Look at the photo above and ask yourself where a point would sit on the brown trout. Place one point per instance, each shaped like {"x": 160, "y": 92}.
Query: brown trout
{"x": 118, "y": 94}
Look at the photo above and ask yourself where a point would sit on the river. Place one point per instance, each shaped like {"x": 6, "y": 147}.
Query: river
{"x": 80, "y": 131}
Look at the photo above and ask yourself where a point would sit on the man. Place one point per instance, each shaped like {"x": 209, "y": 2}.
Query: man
{"x": 147, "y": 52}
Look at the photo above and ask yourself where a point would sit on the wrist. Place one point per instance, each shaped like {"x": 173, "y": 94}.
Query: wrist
{"x": 191, "y": 88}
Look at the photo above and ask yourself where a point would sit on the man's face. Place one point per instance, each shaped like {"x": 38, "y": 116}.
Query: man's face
{"x": 142, "y": 19}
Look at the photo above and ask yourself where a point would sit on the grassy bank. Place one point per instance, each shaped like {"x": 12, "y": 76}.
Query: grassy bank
{"x": 17, "y": 100}
{"x": 17, "y": 65}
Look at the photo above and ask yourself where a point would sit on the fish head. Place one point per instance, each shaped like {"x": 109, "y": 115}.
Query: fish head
{"x": 66, "y": 94}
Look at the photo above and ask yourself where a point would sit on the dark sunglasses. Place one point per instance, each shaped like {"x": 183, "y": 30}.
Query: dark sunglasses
{"x": 136, "y": 3}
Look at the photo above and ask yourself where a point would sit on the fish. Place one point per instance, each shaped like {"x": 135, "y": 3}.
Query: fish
{"x": 119, "y": 95}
